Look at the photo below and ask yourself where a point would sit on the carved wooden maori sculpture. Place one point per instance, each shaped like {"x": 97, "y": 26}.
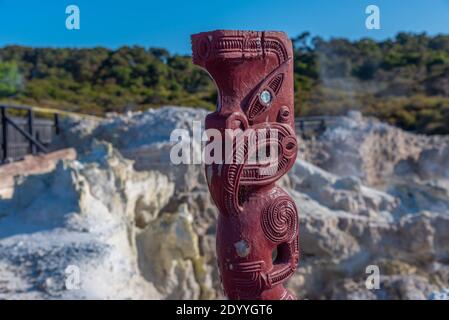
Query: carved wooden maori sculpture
{"x": 257, "y": 231}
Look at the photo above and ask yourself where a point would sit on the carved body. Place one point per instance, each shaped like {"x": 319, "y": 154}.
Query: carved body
{"x": 254, "y": 75}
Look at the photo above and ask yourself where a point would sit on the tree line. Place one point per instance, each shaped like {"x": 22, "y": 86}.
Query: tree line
{"x": 404, "y": 80}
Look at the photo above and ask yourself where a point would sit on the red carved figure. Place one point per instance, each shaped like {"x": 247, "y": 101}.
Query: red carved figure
{"x": 257, "y": 230}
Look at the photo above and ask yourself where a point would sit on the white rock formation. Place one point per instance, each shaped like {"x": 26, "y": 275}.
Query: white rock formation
{"x": 367, "y": 148}
{"x": 143, "y": 137}
{"x": 81, "y": 217}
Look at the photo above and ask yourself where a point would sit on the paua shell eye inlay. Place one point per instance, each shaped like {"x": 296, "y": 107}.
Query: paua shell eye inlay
{"x": 265, "y": 97}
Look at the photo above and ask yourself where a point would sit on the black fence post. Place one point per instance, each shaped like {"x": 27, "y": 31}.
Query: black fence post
{"x": 301, "y": 129}
{"x": 322, "y": 125}
{"x": 31, "y": 130}
{"x": 4, "y": 133}
{"x": 56, "y": 121}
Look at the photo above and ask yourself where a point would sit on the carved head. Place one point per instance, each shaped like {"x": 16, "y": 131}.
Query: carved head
{"x": 253, "y": 72}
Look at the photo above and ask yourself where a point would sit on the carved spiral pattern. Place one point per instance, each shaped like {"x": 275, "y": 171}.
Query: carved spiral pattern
{"x": 279, "y": 220}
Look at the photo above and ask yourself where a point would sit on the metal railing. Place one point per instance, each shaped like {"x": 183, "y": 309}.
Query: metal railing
{"x": 22, "y": 135}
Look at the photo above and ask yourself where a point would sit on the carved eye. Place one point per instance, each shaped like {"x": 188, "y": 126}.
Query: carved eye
{"x": 290, "y": 146}
{"x": 265, "y": 96}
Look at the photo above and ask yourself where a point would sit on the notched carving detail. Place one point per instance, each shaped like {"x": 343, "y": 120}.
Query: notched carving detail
{"x": 247, "y": 278}
{"x": 276, "y": 83}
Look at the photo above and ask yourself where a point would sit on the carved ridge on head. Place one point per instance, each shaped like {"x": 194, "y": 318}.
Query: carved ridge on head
{"x": 239, "y": 44}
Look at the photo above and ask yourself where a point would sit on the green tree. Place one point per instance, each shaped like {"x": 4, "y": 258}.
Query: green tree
{"x": 10, "y": 79}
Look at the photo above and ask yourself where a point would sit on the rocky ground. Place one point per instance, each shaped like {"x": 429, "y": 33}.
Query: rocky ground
{"x": 132, "y": 225}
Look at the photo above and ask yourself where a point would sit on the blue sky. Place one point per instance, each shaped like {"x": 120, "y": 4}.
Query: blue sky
{"x": 168, "y": 24}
